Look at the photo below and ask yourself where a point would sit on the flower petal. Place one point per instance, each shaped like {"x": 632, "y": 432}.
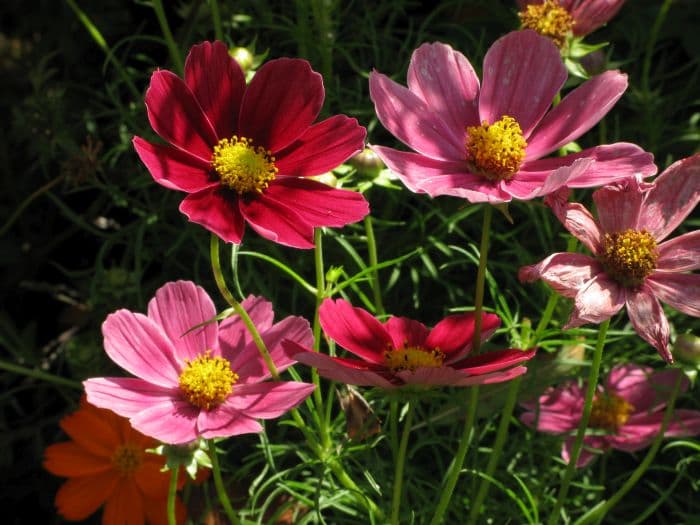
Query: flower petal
{"x": 680, "y": 254}
{"x": 225, "y": 422}
{"x": 577, "y": 219}
{"x": 593, "y": 446}
{"x": 649, "y": 320}
{"x": 173, "y": 168}
{"x": 217, "y": 210}
{"x": 70, "y": 460}
{"x": 679, "y": 290}
{"x": 619, "y": 205}
{"x": 177, "y": 117}
{"x": 590, "y": 16}
{"x": 218, "y": 83}
{"x": 675, "y": 194}
{"x": 281, "y": 102}
{"x": 268, "y": 400}
{"x": 348, "y": 371}
{"x": 566, "y": 273}
{"x": 139, "y": 346}
{"x": 407, "y": 332}
{"x": 578, "y": 112}
{"x": 645, "y": 389}
{"x": 454, "y": 334}
{"x": 126, "y": 396}
{"x": 233, "y": 334}
{"x": 598, "y": 300}
{"x": 278, "y": 222}
{"x": 527, "y": 186}
{"x": 448, "y": 376}
{"x": 177, "y": 308}
{"x": 447, "y": 83}
{"x": 523, "y": 71}
{"x": 79, "y": 497}
{"x": 318, "y": 204}
{"x": 322, "y": 147}
{"x": 93, "y": 429}
{"x": 171, "y": 421}
{"x": 355, "y": 330}
{"x": 413, "y": 122}
{"x": 493, "y": 361}
{"x": 125, "y": 505}
{"x": 149, "y": 478}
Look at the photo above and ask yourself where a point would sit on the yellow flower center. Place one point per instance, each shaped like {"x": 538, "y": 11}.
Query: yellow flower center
{"x": 549, "y": 19}
{"x": 410, "y": 358}
{"x": 609, "y": 412}
{"x": 243, "y": 167}
{"x": 496, "y": 150}
{"x": 127, "y": 458}
{"x": 206, "y": 381}
{"x": 629, "y": 256}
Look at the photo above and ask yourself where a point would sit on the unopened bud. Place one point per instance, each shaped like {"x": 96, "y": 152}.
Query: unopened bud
{"x": 367, "y": 163}
{"x": 243, "y": 56}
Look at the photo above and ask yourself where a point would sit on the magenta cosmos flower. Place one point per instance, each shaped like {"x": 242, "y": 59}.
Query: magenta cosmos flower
{"x": 244, "y": 153}
{"x": 626, "y": 414}
{"x": 556, "y": 19}
{"x": 196, "y": 382}
{"x": 404, "y": 352}
{"x": 486, "y": 143}
{"x": 630, "y": 266}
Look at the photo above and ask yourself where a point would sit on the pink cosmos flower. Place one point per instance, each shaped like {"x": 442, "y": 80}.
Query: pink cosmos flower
{"x": 626, "y": 414}
{"x": 196, "y": 381}
{"x": 244, "y": 153}
{"x": 486, "y": 143}
{"x": 585, "y": 15}
{"x": 404, "y": 352}
{"x": 630, "y": 266}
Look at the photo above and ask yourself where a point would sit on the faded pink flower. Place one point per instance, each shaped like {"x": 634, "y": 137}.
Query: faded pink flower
{"x": 403, "y": 352}
{"x": 586, "y": 15}
{"x": 196, "y": 381}
{"x": 243, "y": 154}
{"x": 485, "y": 143}
{"x": 626, "y": 414}
{"x": 630, "y": 266}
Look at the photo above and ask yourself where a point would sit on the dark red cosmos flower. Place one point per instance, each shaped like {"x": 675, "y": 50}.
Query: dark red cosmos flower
{"x": 243, "y": 153}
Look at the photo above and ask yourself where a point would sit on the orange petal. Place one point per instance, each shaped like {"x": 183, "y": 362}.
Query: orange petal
{"x": 152, "y": 482}
{"x": 93, "y": 429}
{"x": 69, "y": 460}
{"x": 157, "y": 511}
{"x": 125, "y": 506}
{"x": 79, "y": 497}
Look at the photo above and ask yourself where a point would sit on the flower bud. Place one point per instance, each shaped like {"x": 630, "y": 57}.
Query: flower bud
{"x": 687, "y": 349}
{"x": 367, "y": 163}
{"x": 243, "y": 56}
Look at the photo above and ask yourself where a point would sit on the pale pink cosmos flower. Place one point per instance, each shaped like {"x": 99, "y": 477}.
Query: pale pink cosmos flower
{"x": 486, "y": 143}
{"x": 402, "y": 352}
{"x": 196, "y": 381}
{"x": 630, "y": 265}
{"x": 585, "y": 15}
{"x": 626, "y": 414}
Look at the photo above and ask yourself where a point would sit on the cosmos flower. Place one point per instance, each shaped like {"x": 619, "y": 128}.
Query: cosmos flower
{"x": 106, "y": 463}
{"x": 626, "y": 413}
{"x": 196, "y": 381}
{"x": 244, "y": 153}
{"x": 486, "y": 143}
{"x": 630, "y": 265}
{"x": 404, "y": 352}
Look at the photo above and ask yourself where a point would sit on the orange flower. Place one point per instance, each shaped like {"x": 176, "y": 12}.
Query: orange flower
{"x": 106, "y": 463}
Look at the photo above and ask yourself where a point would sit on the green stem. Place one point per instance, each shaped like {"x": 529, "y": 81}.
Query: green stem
{"x": 230, "y": 299}
{"x": 596, "y": 515}
{"x": 168, "y": 36}
{"x": 400, "y": 462}
{"x": 544, "y": 320}
{"x": 216, "y": 20}
{"x": 320, "y": 295}
{"x": 372, "y": 251}
{"x": 651, "y": 44}
{"x": 481, "y": 278}
{"x": 172, "y": 495}
{"x": 583, "y": 424}
{"x": 219, "y": 484}
{"x": 39, "y": 374}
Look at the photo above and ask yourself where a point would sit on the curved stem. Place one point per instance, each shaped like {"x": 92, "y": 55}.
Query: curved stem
{"x": 219, "y": 484}
{"x": 583, "y": 424}
{"x": 216, "y": 20}
{"x": 372, "y": 252}
{"x": 172, "y": 494}
{"x": 26, "y": 202}
{"x": 39, "y": 374}
{"x": 168, "y": 36}
{"x": 400, "y": 462}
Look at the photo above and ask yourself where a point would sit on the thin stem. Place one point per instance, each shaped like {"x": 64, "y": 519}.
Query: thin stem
{"x": 583, "y": 424}
{"x": 26, "y": 202}
{"x": 320, "y": 294}
{"x": 546, "y": 317}
{"x": 400, "y": 462}
{"x": 216, "y": 20}
{"x": 481, "y": 278}
{"x": 39, "y": 374}
{"x": 230, "y": 299}
{"x": 597, "y": 514}
{"x": 219, "y": 484}
{"x": 372, "y": 252}
{"x": 172, "y": 494}
{"x": 168, "y": 36}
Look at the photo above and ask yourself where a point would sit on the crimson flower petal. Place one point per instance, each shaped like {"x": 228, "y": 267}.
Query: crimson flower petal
{"x": 217, "y": 210}
{"x": 453, "y": 335}
{"x": 277, "y": 221}
{"x": 407, "y": 332}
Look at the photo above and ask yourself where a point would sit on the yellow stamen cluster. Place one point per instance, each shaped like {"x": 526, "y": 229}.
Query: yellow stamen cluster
{"x": 127, "y": 458}
{"x": 629, "y": 256}
{"x": 243, "y": 167}
{"x": 549, "y": 19}
{"x": 206, "y": 381}
{"x": 410, "y": 358}
{"x": 609, "y": 412}
{"x": 496, "y": 150}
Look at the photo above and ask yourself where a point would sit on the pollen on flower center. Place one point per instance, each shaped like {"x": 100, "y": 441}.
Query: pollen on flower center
{"x": 549, "y": 19}
{"x": 496, "y": 150}
{"x": 410, "y": 358}
{"x": 206, "y": 381}
{"x": 127, "y": 458}
{"x": 609, "y": 412}
{"x": 243, "y": 167}
{"x": 629, "y": 256}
